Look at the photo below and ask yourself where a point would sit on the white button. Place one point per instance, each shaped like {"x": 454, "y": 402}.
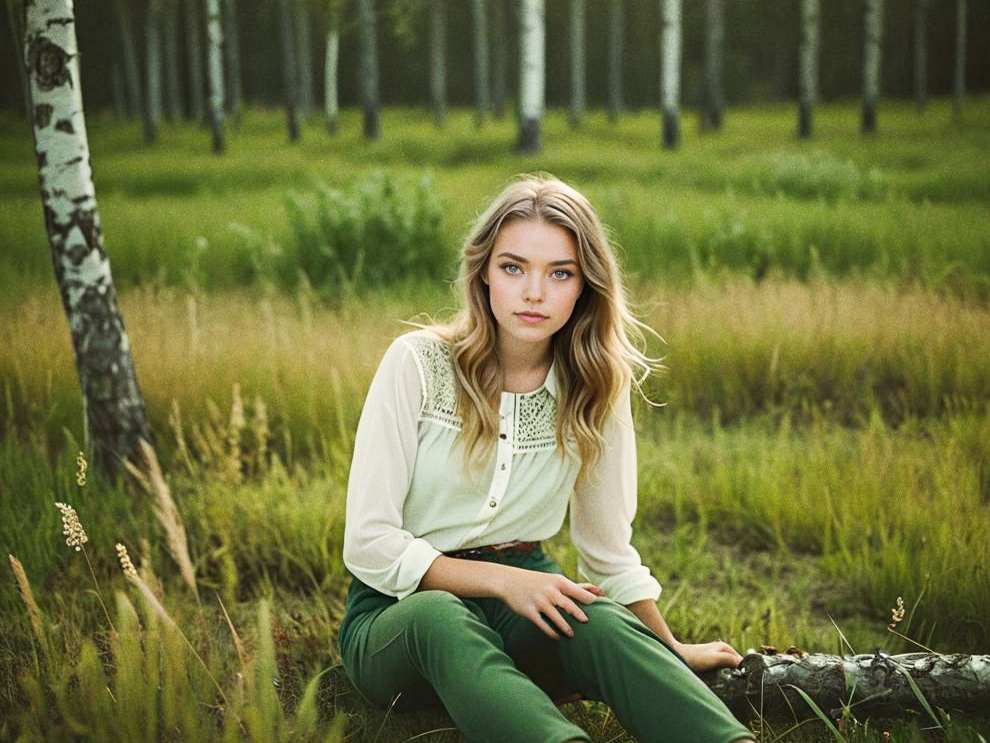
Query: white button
{"x": 503, "y": 465}
{"x": 493, "y": 504}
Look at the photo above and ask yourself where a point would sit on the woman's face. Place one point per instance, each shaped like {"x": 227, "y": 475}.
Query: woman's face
{"x": 534, "y": 281}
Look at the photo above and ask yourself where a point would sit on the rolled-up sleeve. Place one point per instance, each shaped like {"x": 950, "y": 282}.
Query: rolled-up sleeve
{"x": 602, "y": 510}
{"x": 377, "y": 550}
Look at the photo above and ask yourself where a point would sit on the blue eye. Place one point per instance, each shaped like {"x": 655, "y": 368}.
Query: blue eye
{"x": 562, "y": 274}
{"x": 511, "y": 268}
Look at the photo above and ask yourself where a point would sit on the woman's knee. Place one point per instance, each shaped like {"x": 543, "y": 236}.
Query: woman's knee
{"x": 607, "y": 620}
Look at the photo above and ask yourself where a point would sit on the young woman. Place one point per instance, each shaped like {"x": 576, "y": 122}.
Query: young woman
{"x": 475, "y": 438}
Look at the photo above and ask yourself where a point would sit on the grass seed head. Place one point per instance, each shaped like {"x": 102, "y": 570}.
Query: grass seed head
{"x": 896, "y": 614}
{"x": 81, "y": 469}
{"x": 125, "y": 562}
{"x": 75, "y": 536}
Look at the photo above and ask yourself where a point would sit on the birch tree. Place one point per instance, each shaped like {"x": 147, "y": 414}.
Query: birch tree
{"x": 331, "y": 109}
{"x": 808, "y": 68}
{"x": 170, "y": 37}
{"x": 153, "y": 70}
{"x": 214, "y": 63}
{"x": 713, "y": 105}
{"x": 233, "y": 90}
{"x": 132, "y": 74}
{"x": 578, "y": 93}
{"x": 499, "y": 73}
{"x": 873, "y": 39}
{"x": 304, "y": 57}
{"x": 479, "y": 29}
{"x": 438, "y": 60}
{"x": 113, "y": 407}
{"x": 290, "y": 75}
{"x": 532, "y": 74}
{"x": 368, "y": 70}
{"x": 194, "y": 49}
{"x": 670, "y": 73}
{"x": 920, "y": 54}
{"x": 615, "y": 54}
{"x": 959, "y": 76}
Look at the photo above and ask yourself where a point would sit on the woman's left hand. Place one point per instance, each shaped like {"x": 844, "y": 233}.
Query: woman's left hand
{"x": 709, "y": 655}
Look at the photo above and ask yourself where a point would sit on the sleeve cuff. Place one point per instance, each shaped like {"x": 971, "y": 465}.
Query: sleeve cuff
{"x": 413, "y": 564}
{"x": 625, "y": 588}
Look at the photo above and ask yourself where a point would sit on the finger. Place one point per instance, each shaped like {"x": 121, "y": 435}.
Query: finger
{"x": 571, "y": 608}
{"x": 539, "y": 622}
{"x": 591, "y": 587}
{"x": 579, "y": 592}
{"x": 552, "y": 613}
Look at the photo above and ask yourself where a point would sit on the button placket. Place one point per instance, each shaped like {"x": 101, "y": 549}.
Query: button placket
{"x": 503, "y": 470}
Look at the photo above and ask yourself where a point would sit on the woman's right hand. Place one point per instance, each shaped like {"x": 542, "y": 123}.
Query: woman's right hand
{"x": 542, "y": 596}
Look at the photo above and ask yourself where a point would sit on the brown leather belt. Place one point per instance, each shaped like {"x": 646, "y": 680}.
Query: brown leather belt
{"x": 506, "y": 548}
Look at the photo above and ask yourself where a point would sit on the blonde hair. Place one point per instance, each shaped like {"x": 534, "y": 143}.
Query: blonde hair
{"x": 594, "y": 353}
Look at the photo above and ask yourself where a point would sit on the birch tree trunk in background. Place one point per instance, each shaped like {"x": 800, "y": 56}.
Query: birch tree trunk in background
{"x": 479, "y": 29}
{"x": 290, "y": 75}
{"x": 369, "y": 70}
{"x": 920, "y": 54}
{"x": 499, "y": 73}
{"x": 438, "y": 60}
{"x": 119, "y": 95}
{"x": 959, "y": 78}
{"x": 193, "y": 13}
{"x": 331, "y": 108}
{"x": 578, "y": 94}
{"x": 233, "y": 93}
{"x": 670, "y": 74}
{"x": 153, "y": 70}
{"x": 532, "y": 74}
{"x": 214, "y": 63}
{"x": 873, "y": 38}
{"x": 170, "y": 35}
{"x": 808, "y": 68}
{"x": 132, "y": 71}
{"x": 16, "y": 21}
{"x": 304, "y": 58}
{"x": 615, "y": 54}
{"x": 112, "y": 402}
{"x": 713, "y": 106}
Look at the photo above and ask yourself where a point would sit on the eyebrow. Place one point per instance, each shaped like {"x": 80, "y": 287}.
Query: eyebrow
{"x": 520, "y": 259}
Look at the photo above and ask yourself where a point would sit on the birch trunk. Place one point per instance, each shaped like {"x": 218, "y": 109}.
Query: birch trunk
{"x": 119, "y": 96}
{"x": 331, "y": 107}
{"x": 193, "y": 15}
{"x": 114, "y": 408}
{"x": 615, "y": 54}
{"x": 304, "y": 58}
{"x": 670, "y": 75}
{"x": 132, "y": 74}
{"x": 153, "y": 70}
{"x": 876, "y": 684}
{"x": 214, "y": 63}
{"x": 290, "y": 75}
{"x": 959, "y": 77}
{"x": 479, "y": 27}
{"x": 920, "y": 54}
{"x": 578, "y": 92}
{"x": 532, "y": 74}
{"x": 499, "y": 74}
{"x": 369, "y": 70}
{"x": 170, "y": 35}
{"x": 808, "y": 68}
{"x": 873, "y": 39}
{"x": 714, "y": 100}
{"x": 234, "y": 96}
{"x": 438, "y": 60}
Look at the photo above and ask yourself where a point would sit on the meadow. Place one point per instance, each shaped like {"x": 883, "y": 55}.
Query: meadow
{"x": 823, "y": 446}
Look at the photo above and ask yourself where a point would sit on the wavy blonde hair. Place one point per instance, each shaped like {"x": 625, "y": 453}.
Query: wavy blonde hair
{"x": 595, "y": 356}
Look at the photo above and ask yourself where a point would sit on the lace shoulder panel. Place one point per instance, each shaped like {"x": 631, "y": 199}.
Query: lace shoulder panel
{"x": 436, "y": 371}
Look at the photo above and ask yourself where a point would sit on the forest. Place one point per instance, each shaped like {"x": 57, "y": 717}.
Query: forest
{"x": 799, "y": 195}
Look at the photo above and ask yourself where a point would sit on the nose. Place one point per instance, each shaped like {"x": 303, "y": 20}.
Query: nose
{"x": 533, "y": 288}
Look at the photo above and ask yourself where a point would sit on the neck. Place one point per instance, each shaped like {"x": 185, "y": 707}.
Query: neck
{"x": 517, "y": 358}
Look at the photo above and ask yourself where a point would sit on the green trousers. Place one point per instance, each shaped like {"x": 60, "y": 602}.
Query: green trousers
{"x": 498, "y": 675}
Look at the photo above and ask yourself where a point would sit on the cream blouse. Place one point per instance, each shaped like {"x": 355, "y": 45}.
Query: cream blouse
{"x": 409, "y": 500}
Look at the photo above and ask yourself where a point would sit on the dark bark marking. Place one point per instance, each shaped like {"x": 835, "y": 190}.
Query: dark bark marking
{"x": 65, "y": 125}
{"x": 49, "y": 64}
{"x": 43, "y": 115}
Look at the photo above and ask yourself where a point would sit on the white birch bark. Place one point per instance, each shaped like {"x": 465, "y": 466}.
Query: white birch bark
{"x": 616, "y": 36}
{"x": 193, "y": 12}
{"x": 304, "y": 58}
{"x": 331, "y": 108}
{"x": 713, "y": 107}
{"x": 808, "y": 68}
{"x": 233, "y": 93}
{"x": 290, "y": 71}
{"x": 114, "y": 409}
{"x": 578, "y": 90}
{"x": 170, "y": 36}
{"x": 920, "y": 55}
{"x": 479, "y": 29}
{"x": 438, "y": 60}
{"x": 153, "y": 70}
{"x": 369, "y": 70}
{"x": 670, "y": 73}
{"x": 532, "y": 74}
{"x": 959, "y": 75}
{"x": 214, "y": 63}
{"x": 873, "y": 40}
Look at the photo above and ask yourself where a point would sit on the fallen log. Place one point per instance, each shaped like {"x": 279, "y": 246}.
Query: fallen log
{"x": 872, "y": 685}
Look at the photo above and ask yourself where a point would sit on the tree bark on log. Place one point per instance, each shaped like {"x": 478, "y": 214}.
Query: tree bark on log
{"x": 114, "y": 409}
{"x": 875, "y": 685}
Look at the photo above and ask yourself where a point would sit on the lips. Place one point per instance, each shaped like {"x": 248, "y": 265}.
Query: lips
{"x": 531, "y": 317}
